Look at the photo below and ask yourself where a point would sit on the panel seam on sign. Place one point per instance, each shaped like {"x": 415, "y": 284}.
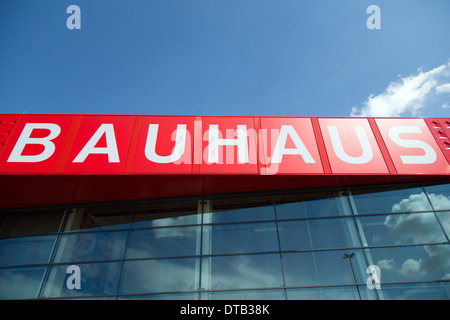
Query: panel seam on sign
{"x": 326, "y": 166}
{"x": 129, "y": 162}
{"x": 257, "y": 127}
{"x": 73, "y": 131}
{"x": 197, "y": 145}
{"x": 382, "y": 146}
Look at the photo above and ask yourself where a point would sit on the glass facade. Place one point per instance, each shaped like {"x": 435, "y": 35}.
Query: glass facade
{"x": 315, "y": 244}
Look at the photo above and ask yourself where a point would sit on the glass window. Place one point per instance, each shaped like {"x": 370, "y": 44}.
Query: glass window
{"x": 390, "y": 200}
{"x": 439, "y": 196}
{"x": 160, "y": 275}
{"x": 21, "y": 223}
{"x": 165, "y": 296}
{"x": 240, "y": 238}
{"x": 92, "y": 246}
{"x": 241, "y": 272}
{"x": 21, "y": 283}
{"x": 99, "y": 218}
{"x": 143, "y": 219}
{"x": 332, "y": 293}
{"x": 318, "y": 233}
{"x": 401, "y": 229}
{"x": 163, "y": 214}
{"x": 416, "y": 291}
{"x": 412, "y": 263}
{"x": 244, "y": 295}
{"x": 26, "y": 250}
{"x": 312, "y": 205}
{"x": 444, "y": 217}
{"x": 239, "y": 215}
{"x": 164, "y": 242}
{"x": 334, "y": 267}
{"x": 89, "y": 279}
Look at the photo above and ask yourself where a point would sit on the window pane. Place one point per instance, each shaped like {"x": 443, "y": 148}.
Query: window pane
{"x": 415, "y": 263}
{"x": 14, "y": 224}
{"x": 164, "y": 242}
{"x": 324, "y": 268}
{"x": 21, "y": 283}
{"x": 318, "y": 233}
{"x": 247, "y": 214}
{"x": 26, "y": 250}
{"x": 295, "y": 235}
{"x": 390, "y": 200}
{"x": 99, "y": 218}
{"x": 416, "y": 291}
{"x": 165, "y": 296}
{"x": 240, "y": 238}
{"x": 159, "y": 214}
{"x": 244, "y": 295}
{"x": 332, "y": 293}
{"x": 444, "y": 217}
{"x": 439, "y": 196}
{"x": 93, "y": 246}
{"x": 238, "y": 209}
{"x": 312, "y": 206}
{"x": 94, "y": 279}
{"x": 241, "y": 272}
{"x": 401, "y": 229}
{"x": 160, "y": 275}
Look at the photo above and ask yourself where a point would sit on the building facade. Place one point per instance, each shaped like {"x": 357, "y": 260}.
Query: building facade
{"x": 102, "y": 207}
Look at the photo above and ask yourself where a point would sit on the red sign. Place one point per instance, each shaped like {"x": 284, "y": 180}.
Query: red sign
{"x": 208, "y": 145}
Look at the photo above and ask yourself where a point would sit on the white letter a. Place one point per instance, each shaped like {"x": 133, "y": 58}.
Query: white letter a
{"x": 374, "y": 21}
{"x": 73, "y": 281}
{"x": 74, "y": 21}
{"x": 110, "y": 149}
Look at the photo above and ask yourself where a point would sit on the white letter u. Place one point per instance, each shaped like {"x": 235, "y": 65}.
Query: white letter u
{"x": 367, "y": 154}
{"x": 150, "y": 146}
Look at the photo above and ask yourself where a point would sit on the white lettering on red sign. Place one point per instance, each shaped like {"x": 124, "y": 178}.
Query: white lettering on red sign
{"x": 350, "y": 145}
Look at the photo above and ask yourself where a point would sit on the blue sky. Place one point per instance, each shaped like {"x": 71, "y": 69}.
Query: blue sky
{"x": 233, "y": 57}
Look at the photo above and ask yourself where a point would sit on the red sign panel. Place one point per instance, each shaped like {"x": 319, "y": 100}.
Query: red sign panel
{"x": 228, "y": 146}
{"x": 35, "y": 144}
{"x": 165, "y": 146}
{"x": 412, "y": 147}
{"x": 288, "y": 146}
{"x": 101, "y": 145}
{"x": 351, "y": 146}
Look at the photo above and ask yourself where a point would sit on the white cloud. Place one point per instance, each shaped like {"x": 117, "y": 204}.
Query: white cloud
{"x": 415, "y": 202}
{"x": 412, "y": 269}
{"x": 387, "y": 264}
{"x": 440, "y": 201}
{"x": 407, "y": 95}
{"x": 443, "y": 88}
{"x": 417, "y": 228}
